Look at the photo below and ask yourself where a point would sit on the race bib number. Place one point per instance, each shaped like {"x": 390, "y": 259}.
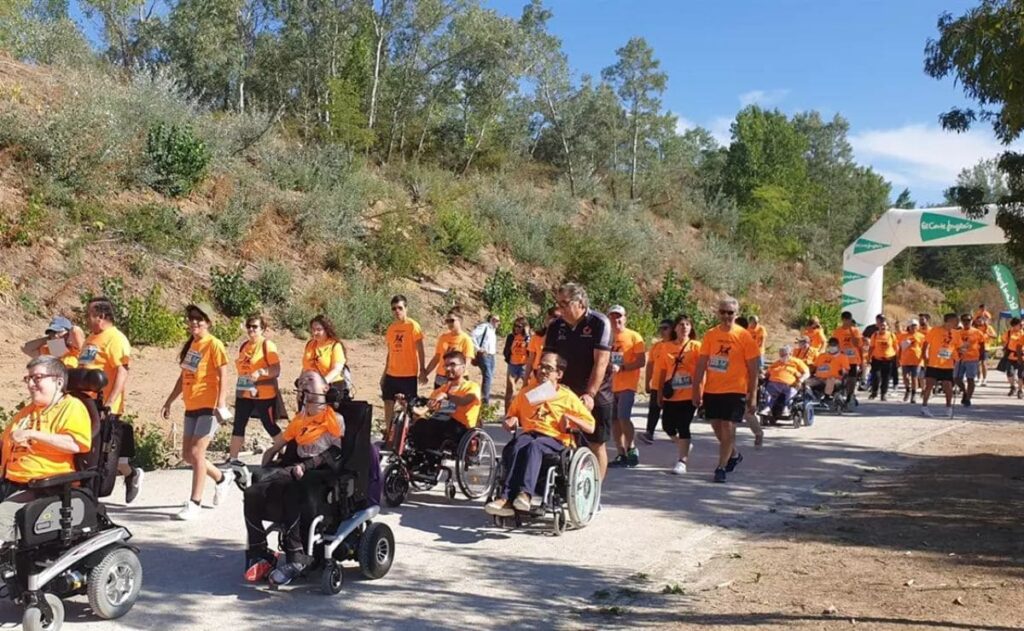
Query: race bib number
{"x": 245, "y": 384}
{"x": 945, "y": 353}
{"x": 719, "y": 363}
{"x": 682, "y": 381}
{"x": 617, "y": 359}
{"x": 849, "y": 352}
{"x": 905, "y": 345}
{"x": 191, "y": 363}
{"x": 446, "y": 408}
{"x": 824, "y": 369}
{"x": 89, "y": 354}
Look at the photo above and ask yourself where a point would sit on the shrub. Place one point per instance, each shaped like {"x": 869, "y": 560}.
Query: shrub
{"x": 722, "y": 266}
{"x": 162, "y": 229}
{"x": 144, "y": 319}
{"x": 309, "y": 168}
{"x": 456, "y": 234}
{"x": 221, "y": 441}
{"x": 522, "y": 223}
{"x": 398, "y": 249}
{"x": 153, "y": 448}
{"x": 504, "y": 296}
{"x": 178, "y": 159}
{"x": 364, "y": 308}
{"x": 274, "y": 283}
{"x": 29, "y": 225}
{"x": 676, "y": 298}
{"x": 227, "y": 330}
{"x": 295, "y": 317}
{"x": 233, "y": 222}
{"x": 235, "y": 296}
{"x": 826, "y": 312}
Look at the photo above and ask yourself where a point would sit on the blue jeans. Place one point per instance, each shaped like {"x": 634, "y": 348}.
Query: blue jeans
{"x": 486, "y": 377}
{"x": 524, "y": 458}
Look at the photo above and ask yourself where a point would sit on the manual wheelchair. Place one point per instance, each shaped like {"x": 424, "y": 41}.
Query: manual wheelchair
{"x": 411, "y": 468}
{"x": 66, "y": 543}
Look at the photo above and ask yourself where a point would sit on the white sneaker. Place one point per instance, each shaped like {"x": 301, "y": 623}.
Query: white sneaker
{"x": 949, "y": 412}
{"x": 223, "y": 487}
{"x": 191, "y": 510}
{"x": 680, "y": 468}
{"x": 926, "y": 412}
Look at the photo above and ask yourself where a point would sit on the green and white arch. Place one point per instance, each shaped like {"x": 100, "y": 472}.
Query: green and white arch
{"x": 896, "y": 230}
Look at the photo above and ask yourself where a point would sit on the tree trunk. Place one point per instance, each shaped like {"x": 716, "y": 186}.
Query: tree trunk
{"x": 556, "y": 121}
{"x": 476, "y": 147}
{"x": 632, "y": 165}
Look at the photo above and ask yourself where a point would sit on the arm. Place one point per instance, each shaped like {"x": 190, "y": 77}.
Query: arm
{"x": 637, "y": 363}
{"x": 120, "y": 381}
{"x": 61, "y": 442}
{"x": 434, "y": 361}
{"x": 463, "y": 399}
{"x": 752, "y": 366}
{"x": 601, "y": 359}
{"x": 222, "y": 392}
{"x": 76, "y": 337}
{"x": 421, "y": 355}
{"x": 33, "y": 347}
{"x": 165, "y": 411}
{"x": 698, "y": 380}
{"x": 659, "y": 378}
{"x": 580, "y": 421}
{"x": 648, "y": 375}
{"x": 275, "y": 448}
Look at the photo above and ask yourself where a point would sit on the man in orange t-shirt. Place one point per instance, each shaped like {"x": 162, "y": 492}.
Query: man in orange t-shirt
{"x": 941, "y": 350}
{"x": 629, "y": 356}
{"x": 911, "y": 344}
{"x": 972, "y": 347}
{"x": 785, "y": 376}
{"x": 851, "y": 344}
{"x": 726, "y": 382}
{"x": 406, "y": 359}
{"x": 454, "y": 407}
{"x": 882, "y": 350}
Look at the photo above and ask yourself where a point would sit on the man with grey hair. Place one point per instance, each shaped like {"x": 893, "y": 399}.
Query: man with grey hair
{"x": 583, "y": 337}
{"x": 785, "y": 376}
{"x": 730, "y": 358}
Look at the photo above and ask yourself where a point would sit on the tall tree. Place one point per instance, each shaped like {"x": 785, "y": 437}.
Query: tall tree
{"x": 125, "y": 29}
{"x": 639, "y": 83}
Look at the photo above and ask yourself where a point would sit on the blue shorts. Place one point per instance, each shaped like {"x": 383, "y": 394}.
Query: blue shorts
{"x": 911, "y": 371}
{"x": 624, "y": 405}
{"x": 517, "y": 371}
{"x": 967, "y": 370}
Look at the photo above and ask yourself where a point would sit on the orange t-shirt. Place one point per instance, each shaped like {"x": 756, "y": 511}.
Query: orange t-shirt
{"x": 883, "y": 345}
{"x": 654, "y": 356}
{"x": 759, "y": 334}
{"x": 851, "y": 344}
{"x": 817, "y": 336}
{"x": 401, "y": 338}
{"x": 806, "y": 354}
{"x": 1012, "y": 341}
{"x": 728, "y": 353}
{"x": 828, "y": 366}
{"x": 250, "y": 359}
{"x": 682, "y": 370}
{"x": 942, "y": 348}
{"x": 200, "y": 378}
{"x": 467, "y": 414}
{"x": 547, "y": 418}
{"x": 911, "y": 346}
{"x": 536, "y": 348}
{"x": 787, "y": 372}
{"x": 627, "y": 347}
{"x": 323, "y": 356}
{"x": 520, "y": 348}
{"x": 314, "y": 433}
{"x": 451, "y": 341}
{"x": 39, "y": 460}
{"x": 972, "y": 341}
{"x": 107, "y": 350}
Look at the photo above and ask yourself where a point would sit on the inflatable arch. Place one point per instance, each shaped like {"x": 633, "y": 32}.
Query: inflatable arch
{"x": 896, "y": 230}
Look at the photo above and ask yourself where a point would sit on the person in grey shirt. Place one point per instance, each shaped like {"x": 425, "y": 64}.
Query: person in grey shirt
{"x": 485, "y": 341}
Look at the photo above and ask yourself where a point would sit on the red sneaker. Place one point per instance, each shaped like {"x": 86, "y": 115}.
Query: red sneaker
{"x": 258, "y": 571}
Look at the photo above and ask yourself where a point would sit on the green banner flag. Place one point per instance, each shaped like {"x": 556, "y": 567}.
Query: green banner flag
{"x": 1009, "y": 288}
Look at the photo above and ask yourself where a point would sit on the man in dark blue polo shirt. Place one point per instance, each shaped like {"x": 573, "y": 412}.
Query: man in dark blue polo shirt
{"x": 583, "y": 338}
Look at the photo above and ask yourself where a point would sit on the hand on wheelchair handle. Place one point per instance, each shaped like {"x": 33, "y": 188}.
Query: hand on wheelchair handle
{"x": 297, "y": 471}
{"x": 510, "y": 423}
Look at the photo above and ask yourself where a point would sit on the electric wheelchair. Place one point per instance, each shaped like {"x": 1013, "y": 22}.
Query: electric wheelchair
{"x": 408, "y": 467}
{"x": 568, "y": 489}
{"x": 66, "y": 544}
{"x": 801, "y": 407}
{"x": 343, "y": 528}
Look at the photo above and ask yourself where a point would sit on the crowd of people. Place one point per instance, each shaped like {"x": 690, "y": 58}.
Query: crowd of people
{"x": 578, "y": 374}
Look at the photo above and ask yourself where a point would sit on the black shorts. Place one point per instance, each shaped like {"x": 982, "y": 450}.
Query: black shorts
{"x": 938, "y": 374}
{"x": 725, "y": 407}
{"x": 603, "y": 413}
{"x": 398, "y": 385}
{"x": 676, "y": 417}
{"x": 263, "y": 409}
{"x": 127, "y": 435}
{"x": 854, "y": 373}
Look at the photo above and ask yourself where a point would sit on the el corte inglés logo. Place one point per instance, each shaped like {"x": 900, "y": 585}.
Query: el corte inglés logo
{"x": 935, "y": 226}
{"x": 867, "y": 245}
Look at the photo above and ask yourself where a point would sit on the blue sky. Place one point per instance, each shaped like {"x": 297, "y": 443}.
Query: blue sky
{"x": 861, "y": 58}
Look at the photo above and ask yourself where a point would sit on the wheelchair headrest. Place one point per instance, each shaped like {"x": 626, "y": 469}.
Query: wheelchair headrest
{"x": 84, "y": 380}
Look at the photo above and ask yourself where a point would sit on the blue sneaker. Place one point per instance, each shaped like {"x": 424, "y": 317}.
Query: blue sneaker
{"x": 719, "y": 475}
{"x": 735, "y": 460}
{"x": 632, "y": 458}
{"x": 620, "y": 461}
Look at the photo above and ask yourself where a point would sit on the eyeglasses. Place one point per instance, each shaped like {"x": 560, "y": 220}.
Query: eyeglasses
{"x": 195, "y": 317}
{"x": 450, "y": 321}
{"x": 253, "y": 327}
{"x": 35, "y": 379}
{"x": 726, "y": 312}
{"x": 452, "y": 365}
{"x": 546, "y": 368}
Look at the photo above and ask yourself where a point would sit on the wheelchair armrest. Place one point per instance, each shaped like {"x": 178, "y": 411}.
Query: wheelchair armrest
{"x": 61, "y": 480}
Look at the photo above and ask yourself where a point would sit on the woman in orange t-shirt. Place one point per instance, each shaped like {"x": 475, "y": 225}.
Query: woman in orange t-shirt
{"x": 256, "y": 391}
{"x": 202, "y": 385}
{"x": 516, "y": 352}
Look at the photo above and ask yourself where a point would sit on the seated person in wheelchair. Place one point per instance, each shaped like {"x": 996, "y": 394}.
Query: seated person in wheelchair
{"x": 41, "y": 440}
{"x": 830, "y": 368}
{"x": 785, "y": 376}
{"x": 452, "y": 409}
{"x": 285, "y": 489}
{"x": 545, "y": 414}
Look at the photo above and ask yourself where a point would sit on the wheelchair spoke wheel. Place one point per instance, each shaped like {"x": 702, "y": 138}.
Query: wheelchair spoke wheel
{"x": 584, "y": 491}
{"x": 376, "y": 551}
{"x": 396, "y": 484}
{"x": 114, "y": 584}
{"x": 34, "y": 620}
{"x": 476, "y": 464}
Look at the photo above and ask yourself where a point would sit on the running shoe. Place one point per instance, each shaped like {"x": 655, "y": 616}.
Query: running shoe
{"x": 730, "y": 466}
{"x": 499, "y": 508}
{"x": 647, "y": 437}
{"x": 222, "y": 488}
{"x": 680, "y": 468}
{"x": 287, "y": 573}
{"x": 906, "y": 396}
{"x": 190, "y": 511}
{"x": 133, "y": 484}
{"x": 632, "y": 458}
{"x": 719, "y": 475}
{"x": 522, "y": 503}
{"x": 926, "y": 412}
{"x": 257, "y": 568}
{"x": 620, "y": 461}
{"x": 885, "y": 397}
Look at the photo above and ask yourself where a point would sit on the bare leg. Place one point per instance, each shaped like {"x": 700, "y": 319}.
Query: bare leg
{"x": 236, "y": 447}
{"x": 926, "y": 393}
{"x": 195, "y": 447}
{"x": 602, "y": 457}
{"x": 726, "y": 433}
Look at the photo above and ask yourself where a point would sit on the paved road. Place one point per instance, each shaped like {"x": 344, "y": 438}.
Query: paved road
{"x": 454, "y": 570}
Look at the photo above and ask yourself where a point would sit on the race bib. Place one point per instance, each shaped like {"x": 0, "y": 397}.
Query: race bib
{"x": 57, "y": 347}
{"x": 824, "y": 369}
{"x": 446, "y": 408}
{"x": 245, "y": 384}
{"x": 682, "y": 381}
{"x": 89, "y": 354}
{"x": 905, "y": 345}
{"x": 849, "y": 352}
{"x": 191, "y": 363}
{"x": 718, "y": 363}
{"x": 945, "y": 353}
{"x": 617, "y": 359}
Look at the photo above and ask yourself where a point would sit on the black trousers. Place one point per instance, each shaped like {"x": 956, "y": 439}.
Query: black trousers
{"x": 275, "y": 497}
{"x": 431, "y": 433}
{"x": 653, "y": 413}
{"x": 881, "y": 370}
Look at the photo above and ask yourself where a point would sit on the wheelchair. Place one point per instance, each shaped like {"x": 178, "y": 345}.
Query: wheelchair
{"x": 410, "y": 468}
{"x": 344, "y": 530}
{"x": 835, "y": 404}
{"x": 568, "y": 490}
{"x": 66, "y": 544}
{"x": 801, "y": 407}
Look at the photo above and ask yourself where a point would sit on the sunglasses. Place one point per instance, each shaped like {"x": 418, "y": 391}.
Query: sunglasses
{"x": 726, "y": 312}
{"x": 452, "y": 366}
{"x": 450, "y": 321}
{"x": 35, "y": 379}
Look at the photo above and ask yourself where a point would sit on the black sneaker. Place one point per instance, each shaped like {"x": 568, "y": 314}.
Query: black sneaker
{"x": 133, "y": 484}
{"x": 719, "y": 475}
{"x": 620, "y": 461}
{"x": 287, "y": 573}
{"x": 633, "y": 458}
{"x": 730, "y": 466}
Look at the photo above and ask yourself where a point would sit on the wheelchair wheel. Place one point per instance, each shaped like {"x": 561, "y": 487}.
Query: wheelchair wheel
{"x": 798, "y": 415}
{"x": 584, "y": 491}
{"x": 376, "y": 551}
{"x": 33, "y": 620}
{"x": 558, "y": 523}
{"x": 331, "y": 578}
{"x": 475, "y": 464}
{"x": 396, "y": 484}
{"x": 114, "y": 584}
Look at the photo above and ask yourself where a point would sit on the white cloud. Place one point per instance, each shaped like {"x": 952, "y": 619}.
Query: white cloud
{"x": 923, "y": 156}
{"x": 763, "y": 97}
{"x": 721, "y": 130}
{"x": 683, "y": 124}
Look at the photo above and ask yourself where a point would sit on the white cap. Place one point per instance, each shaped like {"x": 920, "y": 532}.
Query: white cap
{"x": 617, "y": 309}
{"x": 913, "y": 322}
